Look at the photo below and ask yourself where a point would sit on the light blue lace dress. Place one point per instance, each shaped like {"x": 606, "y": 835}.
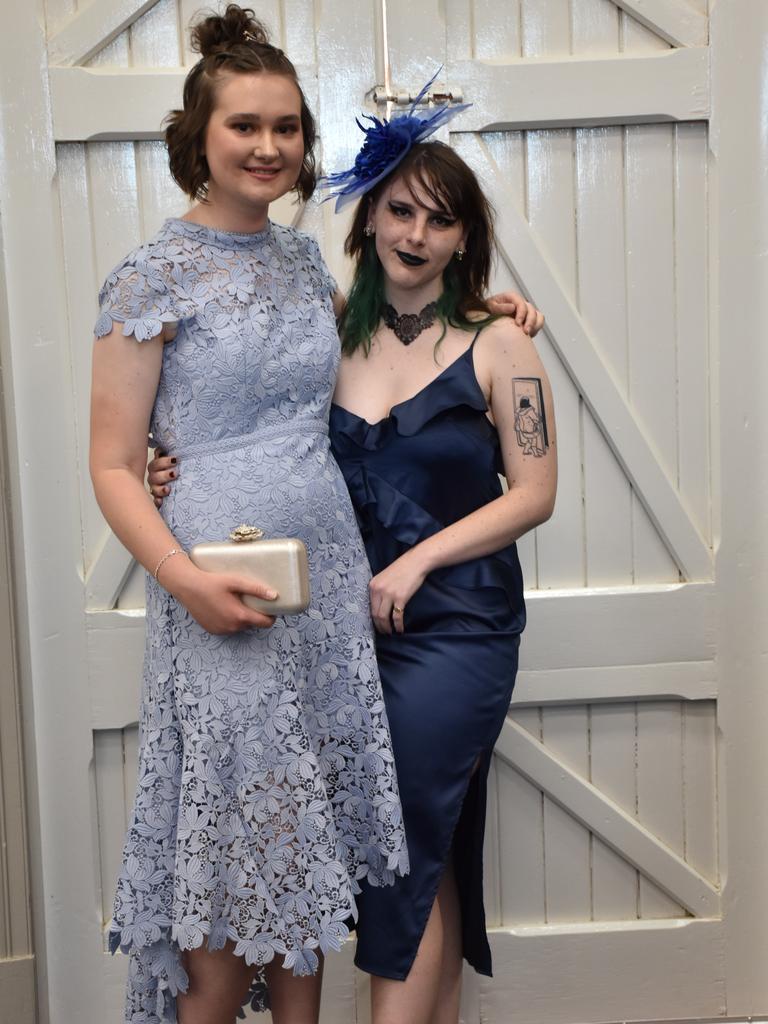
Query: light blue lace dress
{"x": 266, "y": 787}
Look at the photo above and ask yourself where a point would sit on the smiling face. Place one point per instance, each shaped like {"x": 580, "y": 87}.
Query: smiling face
{"x": 416, "y": 238}
{"x": 254, "y": 145}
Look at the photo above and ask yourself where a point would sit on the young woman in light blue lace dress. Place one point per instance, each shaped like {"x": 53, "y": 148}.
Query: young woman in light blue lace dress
{"x": 266, "y": 786}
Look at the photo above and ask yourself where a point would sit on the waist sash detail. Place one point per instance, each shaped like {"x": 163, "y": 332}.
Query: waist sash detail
{"x": 300, "y": 425}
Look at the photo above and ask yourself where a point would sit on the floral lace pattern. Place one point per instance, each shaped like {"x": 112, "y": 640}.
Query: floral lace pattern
{"x": 267, "y": 786}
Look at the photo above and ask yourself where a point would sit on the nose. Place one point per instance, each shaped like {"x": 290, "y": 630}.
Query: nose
{"x": 418, "y": 230}
{"x": 264, "y": 147}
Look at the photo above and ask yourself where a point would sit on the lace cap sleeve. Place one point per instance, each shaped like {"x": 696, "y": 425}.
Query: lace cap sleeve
{"x": 137, "y": 294}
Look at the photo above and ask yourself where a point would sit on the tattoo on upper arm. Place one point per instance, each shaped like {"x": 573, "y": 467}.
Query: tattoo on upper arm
{"x": 530, "y": 417}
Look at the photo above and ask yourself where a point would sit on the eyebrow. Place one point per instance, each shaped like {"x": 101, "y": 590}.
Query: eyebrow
{"x": 257, "y": 117}
{"x": 441, "y": 210}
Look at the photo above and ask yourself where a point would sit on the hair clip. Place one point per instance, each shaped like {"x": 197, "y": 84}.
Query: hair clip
{"x": 386, "y": 143}
{"x": 249, "y": 37}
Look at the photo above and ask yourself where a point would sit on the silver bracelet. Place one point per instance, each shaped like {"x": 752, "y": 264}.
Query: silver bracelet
{"x": 164, "y": 559}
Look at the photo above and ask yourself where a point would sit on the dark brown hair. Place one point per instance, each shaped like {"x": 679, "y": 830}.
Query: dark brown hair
{"x": 452, "y": 186}
{"x": 234, "y": 42}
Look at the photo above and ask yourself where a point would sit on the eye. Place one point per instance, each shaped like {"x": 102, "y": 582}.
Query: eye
{"x": 242, "y": 127}
{"x": 398, "y": 211}
{"x": 288, "y": 129}
{"x": 443, "y": 221}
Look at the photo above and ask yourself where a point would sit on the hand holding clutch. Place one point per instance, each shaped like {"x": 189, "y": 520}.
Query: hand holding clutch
{"x": 281, "y": 563}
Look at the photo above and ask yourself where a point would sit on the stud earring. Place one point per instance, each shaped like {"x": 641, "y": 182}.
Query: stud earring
{"x": 460, "y": 254}
{"x": 368, "y": 231}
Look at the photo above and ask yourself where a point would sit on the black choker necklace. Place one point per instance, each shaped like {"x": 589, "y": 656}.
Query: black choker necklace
{"x": 408, "y": 326}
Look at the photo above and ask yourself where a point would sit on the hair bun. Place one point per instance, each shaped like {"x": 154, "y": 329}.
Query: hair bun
{"x": 219, "y": 32}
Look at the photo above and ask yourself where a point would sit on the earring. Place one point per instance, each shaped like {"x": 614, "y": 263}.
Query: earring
{"x": 460, "y": 254}
{"x": 368, "y": 231}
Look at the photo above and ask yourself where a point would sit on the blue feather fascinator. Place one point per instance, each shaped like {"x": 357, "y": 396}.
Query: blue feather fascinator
{"x": 386, "y": 143}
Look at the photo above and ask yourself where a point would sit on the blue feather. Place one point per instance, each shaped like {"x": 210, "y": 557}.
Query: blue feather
{"x": 385, "y": 145}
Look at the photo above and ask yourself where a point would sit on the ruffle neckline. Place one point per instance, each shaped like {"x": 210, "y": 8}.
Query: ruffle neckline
{"x": 456, "y": 386}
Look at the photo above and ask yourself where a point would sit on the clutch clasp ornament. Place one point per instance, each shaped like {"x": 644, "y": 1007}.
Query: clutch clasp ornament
{"x": 243, "y": 534}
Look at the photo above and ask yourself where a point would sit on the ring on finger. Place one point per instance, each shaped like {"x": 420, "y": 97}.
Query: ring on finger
{"x": 397, "y": 610}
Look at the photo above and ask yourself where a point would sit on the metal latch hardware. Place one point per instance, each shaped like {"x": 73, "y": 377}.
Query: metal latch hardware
{"x": 403, "y": 99}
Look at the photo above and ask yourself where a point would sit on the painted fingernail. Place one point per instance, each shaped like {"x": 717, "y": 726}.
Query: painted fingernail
{"x": 172, "y": 474}
{"x": 173, "y": 460}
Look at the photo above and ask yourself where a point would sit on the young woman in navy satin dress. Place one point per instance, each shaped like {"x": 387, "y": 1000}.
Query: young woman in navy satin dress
{"x": 432, "y": 403}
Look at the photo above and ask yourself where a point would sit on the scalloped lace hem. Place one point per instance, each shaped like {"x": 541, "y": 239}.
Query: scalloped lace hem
{"x": 157, "y": 974}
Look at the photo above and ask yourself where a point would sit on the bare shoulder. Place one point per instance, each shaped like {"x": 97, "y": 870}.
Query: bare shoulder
{"x": 503, "y": 347}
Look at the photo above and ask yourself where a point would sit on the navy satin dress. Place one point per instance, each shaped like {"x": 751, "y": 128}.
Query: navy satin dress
{"x": 448, "y": 679}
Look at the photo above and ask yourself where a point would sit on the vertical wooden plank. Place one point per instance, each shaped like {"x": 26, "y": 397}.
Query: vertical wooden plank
{"x": 497, "y": 29}
{"x": 650, "y": 285}
{"x": 459, "y": 31}
{"x": 612, "y": 767}
{"x": 299, "y": 31}
{"x": 700, "y": 786}
{"x": 521, "y": 849}
{"x": 566, "y": 841}
{"x": 110, "y": 809}
{"x": 408, "y": 26}
{"x": 649, "y": 217}
{"x": 82, "y": 286}
{"x": 362, "y": 998}
{"x": 342, "y": 86}
{"x": 521, "y": 839}
{"x": 156, "y": 42}
{"x": 130, "y": 769}
{"x": 189, "y": 11}
{"x": 111, "y": 169}
{"x": 338, "y": 1004}
{"x": 269, "y": 12}
{"x": 546, "y": 28}
{"x": 602, "y": 303}
{"x": 154, "y": 38}
{"x": 159, "y": 195}
{"x": 692, "y": 304}
{"x": 594, "y": 27}
{"x": 660, "y": 791}
{"x": 492, "y": 865}
{"x": 469, "y": 1010}
{"x": 57, "y": 12}
{"x": 560, "y": 545}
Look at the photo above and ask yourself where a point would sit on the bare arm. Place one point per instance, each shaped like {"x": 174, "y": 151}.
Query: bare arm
{"x": 125, "y": 378}
{"x": 527, "y": 436}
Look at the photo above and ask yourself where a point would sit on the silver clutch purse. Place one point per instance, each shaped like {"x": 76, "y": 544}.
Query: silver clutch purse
{"x": 281, "y": 563}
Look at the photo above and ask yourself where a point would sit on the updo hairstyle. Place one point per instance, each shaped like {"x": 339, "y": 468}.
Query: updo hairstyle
{"x": 237, "y": 43}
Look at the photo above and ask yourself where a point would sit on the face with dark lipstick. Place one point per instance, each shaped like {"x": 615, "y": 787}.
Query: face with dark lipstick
{"x": 415, "y": 237}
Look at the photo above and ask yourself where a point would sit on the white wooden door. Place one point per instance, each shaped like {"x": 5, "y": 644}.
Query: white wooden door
{"x": 590, "y": 131}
